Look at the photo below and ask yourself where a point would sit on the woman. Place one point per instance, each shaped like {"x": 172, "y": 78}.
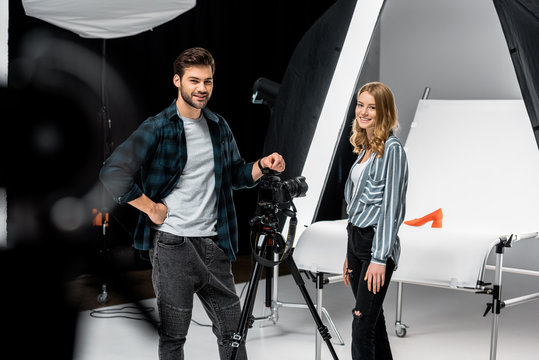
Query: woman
{"x": 375, "y": 193}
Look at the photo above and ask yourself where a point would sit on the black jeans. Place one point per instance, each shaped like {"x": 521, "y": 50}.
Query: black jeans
{"x": 182, "y": 267}
{"x": 369, "y": 334}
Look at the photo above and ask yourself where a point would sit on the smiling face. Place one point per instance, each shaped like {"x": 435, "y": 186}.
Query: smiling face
{"x": 366, "y": 112}
{"x": 194, "y": 90}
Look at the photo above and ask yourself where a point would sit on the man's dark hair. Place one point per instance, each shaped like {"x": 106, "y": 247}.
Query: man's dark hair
{"x": 191, "y": 57}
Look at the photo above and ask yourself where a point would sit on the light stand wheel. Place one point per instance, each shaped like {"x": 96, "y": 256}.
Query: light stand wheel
{"x": 400, "y": 329}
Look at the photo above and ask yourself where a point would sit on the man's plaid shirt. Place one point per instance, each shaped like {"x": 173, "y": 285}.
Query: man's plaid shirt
{"x": 151, "y": 162}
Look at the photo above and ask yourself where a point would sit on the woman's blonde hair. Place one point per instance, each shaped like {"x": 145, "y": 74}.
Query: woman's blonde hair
{"x": 386, "y": 120}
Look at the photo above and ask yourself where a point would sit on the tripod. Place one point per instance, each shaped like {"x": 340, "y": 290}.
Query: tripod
{"x": 269, "y": 241}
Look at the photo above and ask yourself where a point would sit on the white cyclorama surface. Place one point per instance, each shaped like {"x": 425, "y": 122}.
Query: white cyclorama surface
{"x": 321, "y": 248}
{"x": 333, "y": 115}
{"x": 106, "y": 19}
{"x": 478, "y": 161}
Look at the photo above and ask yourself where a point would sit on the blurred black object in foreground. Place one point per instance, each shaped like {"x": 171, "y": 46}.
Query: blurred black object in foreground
{"x": 51, "y": 141}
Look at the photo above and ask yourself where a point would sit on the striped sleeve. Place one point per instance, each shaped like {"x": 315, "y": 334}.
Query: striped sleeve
{"x": 395, "y": 173}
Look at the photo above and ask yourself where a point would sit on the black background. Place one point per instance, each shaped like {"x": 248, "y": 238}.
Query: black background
{"x": 249, "y": 40}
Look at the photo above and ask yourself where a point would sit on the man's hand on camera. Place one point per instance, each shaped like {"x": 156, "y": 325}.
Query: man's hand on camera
{"x": 273, "y": 162}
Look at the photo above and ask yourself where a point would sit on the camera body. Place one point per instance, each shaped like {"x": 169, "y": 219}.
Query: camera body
{"x": 274, "y": 191}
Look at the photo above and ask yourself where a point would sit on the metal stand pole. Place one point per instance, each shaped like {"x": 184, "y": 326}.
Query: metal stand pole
{"x": 400, "y": 328}
{"x": 276, "y": 304}
{"x": 273, "y": 291}
{"x": 322, "y": 329}
{"x": 104, "y": 252}
{"x": 496, "y": 299}
{"x": 319, "y": 289}
{"x": 497, "y": 304}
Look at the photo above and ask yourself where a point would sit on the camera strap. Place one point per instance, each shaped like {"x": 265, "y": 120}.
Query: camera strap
{"x": 278, "y": 242}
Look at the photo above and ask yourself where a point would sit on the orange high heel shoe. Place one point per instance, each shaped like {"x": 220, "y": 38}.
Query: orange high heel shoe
{"x": 435, "y": 216}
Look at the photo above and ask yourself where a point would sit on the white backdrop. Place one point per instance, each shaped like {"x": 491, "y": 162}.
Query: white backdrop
{"x": 478, "y": 161}
{"x": 456, "y": 47}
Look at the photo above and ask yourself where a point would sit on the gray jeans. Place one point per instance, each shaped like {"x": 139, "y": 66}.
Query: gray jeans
{"x": 183, "y": 266}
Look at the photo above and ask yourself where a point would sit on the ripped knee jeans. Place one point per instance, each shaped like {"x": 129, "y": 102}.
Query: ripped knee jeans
{"x": 369, "y": 334}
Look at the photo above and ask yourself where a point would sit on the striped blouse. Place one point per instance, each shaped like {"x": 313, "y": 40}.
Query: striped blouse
{"x": 380, "y": 199}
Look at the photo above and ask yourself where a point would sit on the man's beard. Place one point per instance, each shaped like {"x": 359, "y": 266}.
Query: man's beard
{"x": 188, "y": 98}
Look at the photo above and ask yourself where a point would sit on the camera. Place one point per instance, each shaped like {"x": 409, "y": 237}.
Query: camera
{"x": 273, "y": 190}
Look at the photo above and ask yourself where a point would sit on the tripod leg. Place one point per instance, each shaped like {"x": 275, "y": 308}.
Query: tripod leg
{"x": 322, "y": 329}
{"x": 247, "y": 310}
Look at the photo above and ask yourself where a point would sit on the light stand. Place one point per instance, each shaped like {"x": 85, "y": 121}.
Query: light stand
{"x": 265, "y": 92}
{"x": 101, "y": 217}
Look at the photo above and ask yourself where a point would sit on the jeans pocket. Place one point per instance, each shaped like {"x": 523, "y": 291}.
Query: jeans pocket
{"x": 169, "y": 241}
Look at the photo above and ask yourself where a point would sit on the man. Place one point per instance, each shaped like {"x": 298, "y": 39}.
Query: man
{"x": 188, "y": 163}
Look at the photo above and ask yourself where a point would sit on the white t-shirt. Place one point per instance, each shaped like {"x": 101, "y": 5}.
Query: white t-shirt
{"x": 357, "y": 171}
{"x": 192, "y": 205}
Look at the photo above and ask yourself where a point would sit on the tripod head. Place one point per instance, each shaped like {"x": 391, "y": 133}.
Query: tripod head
{"x": 275, "y": 196}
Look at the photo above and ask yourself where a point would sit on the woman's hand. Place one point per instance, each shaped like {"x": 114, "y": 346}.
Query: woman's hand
{"x": 345, "y": 272}
{"x": 375, "y": 277}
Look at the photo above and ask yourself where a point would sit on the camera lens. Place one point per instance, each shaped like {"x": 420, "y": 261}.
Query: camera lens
{"x": 297, "y": 187}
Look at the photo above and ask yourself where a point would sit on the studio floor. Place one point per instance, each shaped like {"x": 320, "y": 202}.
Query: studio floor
{"x": 443, "y": 324}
